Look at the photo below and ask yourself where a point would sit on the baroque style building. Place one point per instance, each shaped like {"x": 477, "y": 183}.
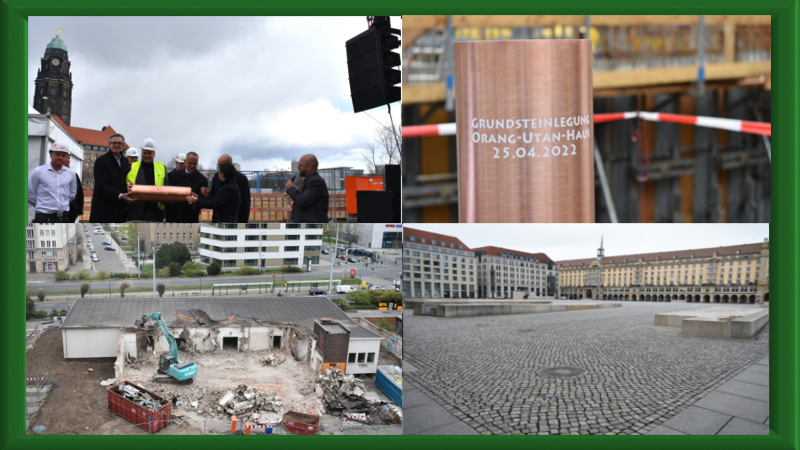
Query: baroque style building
{"x": 731, "y": 274}
{"x": 53, "y": 84}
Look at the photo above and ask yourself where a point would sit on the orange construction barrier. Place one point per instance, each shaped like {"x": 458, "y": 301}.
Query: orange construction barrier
{"x": 233, "y": 424}
{"x": 247, "y": 428}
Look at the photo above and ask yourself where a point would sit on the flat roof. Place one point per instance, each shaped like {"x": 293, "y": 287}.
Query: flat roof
{"x": 116, "y": 312}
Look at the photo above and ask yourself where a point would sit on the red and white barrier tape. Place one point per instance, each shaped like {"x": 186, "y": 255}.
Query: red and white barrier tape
{"x": 34, "y": 379}
{"x": 742, "y": 126}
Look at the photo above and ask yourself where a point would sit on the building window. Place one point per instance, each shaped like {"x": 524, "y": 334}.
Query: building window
{"x": 229, "y": 263}
{"x": 251, "y": 262}
{"x": 351, "y": 358}
{"x": 291, "y": 249}
{"x": 292, "y": 225}
{"x": 362, "y": 358}
{"x": 251, "y": 237}
{"x": 370, "y": 357}
{"x": 293, "y": 237}
{"x": 312, "y": 248}
{"x": 289, "y": 261}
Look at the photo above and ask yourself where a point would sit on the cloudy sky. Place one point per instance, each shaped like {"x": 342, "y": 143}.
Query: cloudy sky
{"x": 263, "y": 89}
{"x": 578, "y": 241}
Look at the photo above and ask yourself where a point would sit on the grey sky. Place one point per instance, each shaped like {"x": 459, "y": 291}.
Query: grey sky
{"x": 577, "y": 241}
{"x": 264, "y": 89}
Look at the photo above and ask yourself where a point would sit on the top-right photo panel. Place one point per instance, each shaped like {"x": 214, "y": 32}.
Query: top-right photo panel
{"x": 583, "y": 119}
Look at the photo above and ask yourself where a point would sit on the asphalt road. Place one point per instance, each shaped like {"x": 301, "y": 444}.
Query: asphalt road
{"x": 109, "y": 261}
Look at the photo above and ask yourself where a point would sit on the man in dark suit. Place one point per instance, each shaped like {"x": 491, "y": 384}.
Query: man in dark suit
{"x": 75, "y": 206}
{"x": 187, "y": 177}
{"x": 111, "y": 198}
{"x": 243, "y": 216}
{"x": 311, "y": 198}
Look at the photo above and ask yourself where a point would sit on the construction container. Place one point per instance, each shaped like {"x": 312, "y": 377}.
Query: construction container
{"x": 301, "y": 423}
{"x": 359, "y": 183}
{"x": 389, "y": 379}
{"x": 150, "y": 420}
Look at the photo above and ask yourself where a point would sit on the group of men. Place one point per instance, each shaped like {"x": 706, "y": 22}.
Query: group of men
{"x": 56, "y": 194}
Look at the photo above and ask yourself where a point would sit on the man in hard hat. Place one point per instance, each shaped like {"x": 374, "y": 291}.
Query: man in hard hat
{"x": 132, "y": 154}
{"x": 180, "y": 161}
{"x": 244, "y": 191}
{"x": 150, "y": 173}
{"x": 190, "y": 177}
{"x": 76, "y": 205}
{"x": 110, "y": 199}
{"x": 51, "y": 187}
{"x": 310, "y": 201}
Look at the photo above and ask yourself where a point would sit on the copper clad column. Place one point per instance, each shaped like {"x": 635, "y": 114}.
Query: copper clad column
{"x": 524, "y": 130}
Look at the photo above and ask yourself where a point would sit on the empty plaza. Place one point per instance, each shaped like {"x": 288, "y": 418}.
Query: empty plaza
{"x": 598, "y": 371}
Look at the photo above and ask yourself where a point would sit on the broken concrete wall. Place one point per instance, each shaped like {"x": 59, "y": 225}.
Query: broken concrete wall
{"x": 231, "y": 332}
{"x": 302, "y": 344}
{"x": 317, "y": 360}
{"x": 119, "y": 364}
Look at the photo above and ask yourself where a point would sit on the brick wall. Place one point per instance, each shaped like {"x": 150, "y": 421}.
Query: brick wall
{"x": 333, "y": 346}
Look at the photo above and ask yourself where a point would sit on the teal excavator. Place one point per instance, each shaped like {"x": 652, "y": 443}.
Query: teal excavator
{"x": 170, "y": 368}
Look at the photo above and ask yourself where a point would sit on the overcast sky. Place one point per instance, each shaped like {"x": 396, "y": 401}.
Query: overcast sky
{"x": 263, "y": 89}
{"x": 577, "y": 241}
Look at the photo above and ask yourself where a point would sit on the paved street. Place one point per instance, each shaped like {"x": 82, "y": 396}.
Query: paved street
{"x": 487, "y": 372}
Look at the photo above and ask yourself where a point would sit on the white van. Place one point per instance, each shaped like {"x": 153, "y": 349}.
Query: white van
{"x": 342, "y": 289}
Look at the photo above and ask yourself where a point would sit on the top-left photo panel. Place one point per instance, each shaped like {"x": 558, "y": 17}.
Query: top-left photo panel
{"x": 214, "y": 119}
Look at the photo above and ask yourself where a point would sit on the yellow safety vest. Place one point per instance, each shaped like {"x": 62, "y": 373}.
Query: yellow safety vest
{"x": 158, "y": 171}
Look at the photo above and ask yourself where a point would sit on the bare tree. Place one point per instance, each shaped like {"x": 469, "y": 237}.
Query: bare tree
{"x": 349, "y": 229}
{"x": 123, "y": 285}
{"x": 384, "y": 149}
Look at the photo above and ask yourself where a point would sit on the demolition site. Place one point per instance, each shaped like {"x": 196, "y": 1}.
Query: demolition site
{"x": 244, "y": 365}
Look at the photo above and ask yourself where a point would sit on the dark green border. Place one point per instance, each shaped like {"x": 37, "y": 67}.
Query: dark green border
{"x": 785, "y": 325}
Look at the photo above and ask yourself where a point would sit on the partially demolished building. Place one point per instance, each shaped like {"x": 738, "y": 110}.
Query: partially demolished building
{"x": 105, "y": 328}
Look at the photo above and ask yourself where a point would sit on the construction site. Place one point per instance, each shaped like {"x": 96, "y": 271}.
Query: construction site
{"x": 246, "y": 365}
{"x": 679, "y": 110}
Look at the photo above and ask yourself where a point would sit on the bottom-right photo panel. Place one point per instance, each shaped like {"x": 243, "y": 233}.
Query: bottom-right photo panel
{"x": 586, "y": 329}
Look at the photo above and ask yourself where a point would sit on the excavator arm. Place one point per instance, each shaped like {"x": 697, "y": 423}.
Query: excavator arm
{"x": 173, "y": 346}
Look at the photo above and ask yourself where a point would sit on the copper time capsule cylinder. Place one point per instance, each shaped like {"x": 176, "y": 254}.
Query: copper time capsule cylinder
{"x": 160, "y": 193}
{"x": 524, "y": 130}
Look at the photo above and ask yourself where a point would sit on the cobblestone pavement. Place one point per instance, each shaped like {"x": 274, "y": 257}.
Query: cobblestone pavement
{"x": 487, "y": 371}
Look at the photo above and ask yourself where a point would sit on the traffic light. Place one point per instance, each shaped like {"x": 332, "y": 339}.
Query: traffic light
{"x": 371, "y": 66}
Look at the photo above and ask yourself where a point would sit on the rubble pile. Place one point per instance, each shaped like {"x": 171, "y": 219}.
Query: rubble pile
{"x": 273, "y": 359}
{"x": 342, "y": 391}
{"x": 139, "y": 397}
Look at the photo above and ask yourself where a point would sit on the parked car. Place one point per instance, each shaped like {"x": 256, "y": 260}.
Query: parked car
{"x": 352, "y": 260}
{"x": 94, "y": 257}
{"x": 377, "y": 288}
{"x": 345, "y": 289}
{"x": 325, "y": 252}
{"x": 342, "y": 257}
{"x": 109, "y": 248}
{"x": 313, "y": 292}
{"x": 106, "y": 243}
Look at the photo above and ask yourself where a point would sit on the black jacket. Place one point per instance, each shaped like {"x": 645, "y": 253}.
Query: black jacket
{"x": 184, "y": 212}
{"x": 76, "y": 206}
{"x": 136, "y": 210}
{"x": 109, "y": 182}
{"x": 243, "y": 215}
{"x": 225, "y": 201}
{"x": 310, "y": 200}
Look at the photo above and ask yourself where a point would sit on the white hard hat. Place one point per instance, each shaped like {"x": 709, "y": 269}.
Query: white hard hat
{"x": 132, "y": 151}
{"x": 180, "y": 158}
{"x": 149, "y": 144}
{"x": 59, "y": 147}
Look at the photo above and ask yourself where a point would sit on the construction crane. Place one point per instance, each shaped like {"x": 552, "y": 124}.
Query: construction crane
{"x": 170, "y": 368}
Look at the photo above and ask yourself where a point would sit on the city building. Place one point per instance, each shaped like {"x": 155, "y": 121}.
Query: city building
{"x": 311, "y": 329}
{"x": 158, "y": 233}
{"x": 94, "y": 143}
{"x": 731, "y": 274}
{"x": 379, "y": 235}
{"x": 437, "y": 265}
{"x": 53, "y": 85}
{"x": 504, "y": 273}
{"x": 260, "y": 244}
{"x": 50, "y": 247}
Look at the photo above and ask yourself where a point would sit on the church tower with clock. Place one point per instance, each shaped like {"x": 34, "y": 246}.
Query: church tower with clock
{"x": 54, "y": 81}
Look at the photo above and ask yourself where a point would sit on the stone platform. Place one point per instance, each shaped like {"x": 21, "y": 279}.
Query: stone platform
{"x": 462, "y": 308}
{"x": 736, "y": 323}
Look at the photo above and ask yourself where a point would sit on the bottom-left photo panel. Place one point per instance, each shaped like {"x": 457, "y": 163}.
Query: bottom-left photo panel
{"x": 210, "y": 329}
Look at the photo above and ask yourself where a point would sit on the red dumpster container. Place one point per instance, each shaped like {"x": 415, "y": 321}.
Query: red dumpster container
{"x": 150, "y": 421}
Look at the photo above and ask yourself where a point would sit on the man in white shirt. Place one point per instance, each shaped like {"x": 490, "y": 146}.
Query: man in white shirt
{"x": 52, "y": 187}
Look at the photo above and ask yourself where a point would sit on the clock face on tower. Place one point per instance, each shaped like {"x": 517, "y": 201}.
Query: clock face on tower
{"x": 56, "y": 62}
